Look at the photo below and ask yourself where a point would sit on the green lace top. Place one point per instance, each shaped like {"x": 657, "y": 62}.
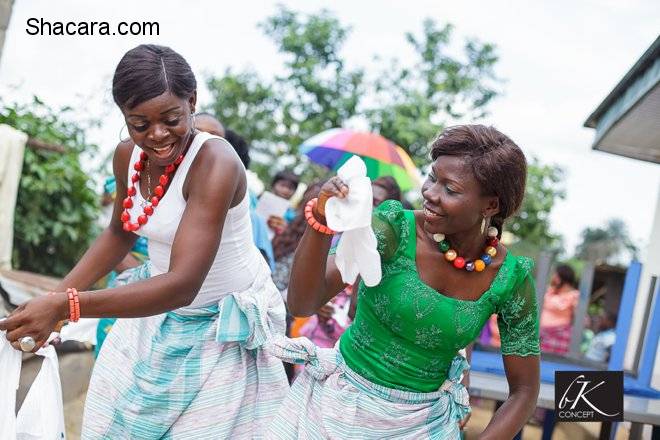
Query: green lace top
{"x": 405, "y": 333}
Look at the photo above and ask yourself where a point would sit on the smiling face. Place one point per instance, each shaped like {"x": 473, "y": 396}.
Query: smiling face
{"x": 453, "y": 198}
{"x": 161, "y": 126}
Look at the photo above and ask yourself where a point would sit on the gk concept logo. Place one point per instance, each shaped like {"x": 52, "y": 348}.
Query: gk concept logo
{"x": 589, "y": 396}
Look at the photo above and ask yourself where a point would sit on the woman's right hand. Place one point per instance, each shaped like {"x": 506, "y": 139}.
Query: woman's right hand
{"x": 334, "y": 187}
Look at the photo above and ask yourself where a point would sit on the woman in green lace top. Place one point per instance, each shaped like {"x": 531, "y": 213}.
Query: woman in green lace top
{"x": 397, "y": 371}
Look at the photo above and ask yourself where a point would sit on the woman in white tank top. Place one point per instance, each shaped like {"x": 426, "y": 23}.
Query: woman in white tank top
{"x": 190, "y": 364}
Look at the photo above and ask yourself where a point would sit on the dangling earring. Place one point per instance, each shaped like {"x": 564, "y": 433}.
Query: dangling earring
{"x": 438, "y": 237}
{"x": 483, "y": 225}
{"x": 121, "y": 138}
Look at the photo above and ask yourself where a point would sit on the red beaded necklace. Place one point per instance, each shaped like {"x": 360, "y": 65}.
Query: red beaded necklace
{"x": 159, "y": 190}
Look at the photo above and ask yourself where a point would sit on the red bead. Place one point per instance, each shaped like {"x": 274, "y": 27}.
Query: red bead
{"x": 127, "y": 226}
{"x": 143, "y": 219}
{"x": 125, "y": 216}
{"x": 143, "y": 156}
{"x": 135, "y": 178}
{"x": 163, "y": 179}
{"x": 493, "y": 242}
{"x": 134, "y": 227}
{"x": 178, "y": 160}
{"x": 159, "y": 191}
{"x": 459, "y": 262}
{"x": 155, "y": 200}
{"x": 139, "y": 166}
{"x": 131, "y": 191}
{"x": 128, "y": 203}
{"x": 170, "y": 168}
{"x": 148, "y": 209}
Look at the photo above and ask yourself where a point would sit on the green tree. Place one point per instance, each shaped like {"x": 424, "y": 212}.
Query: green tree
{"x": 315, "y": 92}
{"x": 413, "y": 103}
{"x": 56, "y": 206}
{"x": 609, "y": 244}
{"x": 532, "y": 223}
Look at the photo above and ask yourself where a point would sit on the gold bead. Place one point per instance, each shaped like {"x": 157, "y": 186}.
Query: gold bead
{"x": 479, "y": 265}
{"x": 451, "y": 255}
{"x": 490, "y": 250}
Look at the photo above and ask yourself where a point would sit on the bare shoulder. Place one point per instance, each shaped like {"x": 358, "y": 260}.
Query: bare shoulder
{"x": 217, "y": 155}
{"x": 121, "y": 158}
{"x": 217, "y": 165}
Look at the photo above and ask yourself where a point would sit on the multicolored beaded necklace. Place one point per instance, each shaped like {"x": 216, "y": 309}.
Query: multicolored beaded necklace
{"x": 477, "y": 265}
{"x": 154, "y": 200}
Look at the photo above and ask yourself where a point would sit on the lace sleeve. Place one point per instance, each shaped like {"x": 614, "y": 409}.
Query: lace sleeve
{"x": 386, "y": 223}
{"x": 518, "y": 315}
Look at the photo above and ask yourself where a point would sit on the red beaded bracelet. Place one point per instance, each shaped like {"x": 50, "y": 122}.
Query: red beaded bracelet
{"x": 311, "y": 220}
{"x": 74, "y": 304}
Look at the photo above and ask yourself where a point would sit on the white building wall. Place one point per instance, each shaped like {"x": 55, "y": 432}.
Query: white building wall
{"x": 650, "y": 268}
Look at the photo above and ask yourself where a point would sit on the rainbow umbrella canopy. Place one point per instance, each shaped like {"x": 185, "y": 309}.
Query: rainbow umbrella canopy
{"x": 332, "y": 148}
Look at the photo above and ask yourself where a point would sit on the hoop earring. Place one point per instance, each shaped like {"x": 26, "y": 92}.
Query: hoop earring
{"x": 121, "y": 138}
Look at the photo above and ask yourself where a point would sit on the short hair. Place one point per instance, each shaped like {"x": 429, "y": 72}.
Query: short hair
{"x": 240, "y": 145}
{"x": 388, "y": 183}
{"x": 498, "y": 164}
{"x": 148, "y": 71}
{"x": 288, "y": 176}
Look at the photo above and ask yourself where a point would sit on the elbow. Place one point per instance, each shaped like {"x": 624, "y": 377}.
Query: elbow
{"x": 185, "y": 293}
{"x": 527, "y": 392}
{"x": 298, "y": 307}
{"x": 299, "y": 310}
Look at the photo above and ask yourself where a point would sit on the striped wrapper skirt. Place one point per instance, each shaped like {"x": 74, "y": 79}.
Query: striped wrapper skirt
{"x": 191, "y": 373}
{"x": 330, "y": 401}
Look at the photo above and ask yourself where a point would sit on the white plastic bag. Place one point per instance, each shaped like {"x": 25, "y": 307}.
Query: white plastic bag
{"x": 10, "y": 371}
{"x": 41, "y": 417}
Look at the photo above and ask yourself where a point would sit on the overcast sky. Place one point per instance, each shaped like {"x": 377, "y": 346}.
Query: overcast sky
{"x": 559, "y": 59}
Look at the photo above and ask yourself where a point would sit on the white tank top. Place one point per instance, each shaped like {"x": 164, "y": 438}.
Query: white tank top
{"x": 236, "y": 264}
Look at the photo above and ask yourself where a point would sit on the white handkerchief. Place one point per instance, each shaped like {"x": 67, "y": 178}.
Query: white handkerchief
{"x": 357, "y": 252}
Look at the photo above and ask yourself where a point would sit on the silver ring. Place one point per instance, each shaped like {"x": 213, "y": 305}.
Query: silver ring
{"x": 27, "y": 343}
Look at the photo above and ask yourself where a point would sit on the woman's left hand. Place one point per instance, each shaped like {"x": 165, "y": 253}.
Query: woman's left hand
{"x": 36, "y": 318}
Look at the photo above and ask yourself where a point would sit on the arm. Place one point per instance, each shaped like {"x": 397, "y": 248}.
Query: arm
{"x": 110, "y": 248}
{"x": 522, "y": 373}
{"x": 518, "y": 323}
{"x": 315, "y": 278}
{"x": 194, "y": 248}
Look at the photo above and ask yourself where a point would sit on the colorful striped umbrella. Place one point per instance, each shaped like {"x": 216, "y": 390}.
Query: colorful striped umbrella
{"x": 332, "y": 148}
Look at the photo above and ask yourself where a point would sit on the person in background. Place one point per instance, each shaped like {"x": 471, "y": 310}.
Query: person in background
{"x": 208, "y": 123}
{"x": 559, "y": 305}
{"x": 605, "y": 337}
{"x": 284, "y": 184}
{"x": 385, "y": 188}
